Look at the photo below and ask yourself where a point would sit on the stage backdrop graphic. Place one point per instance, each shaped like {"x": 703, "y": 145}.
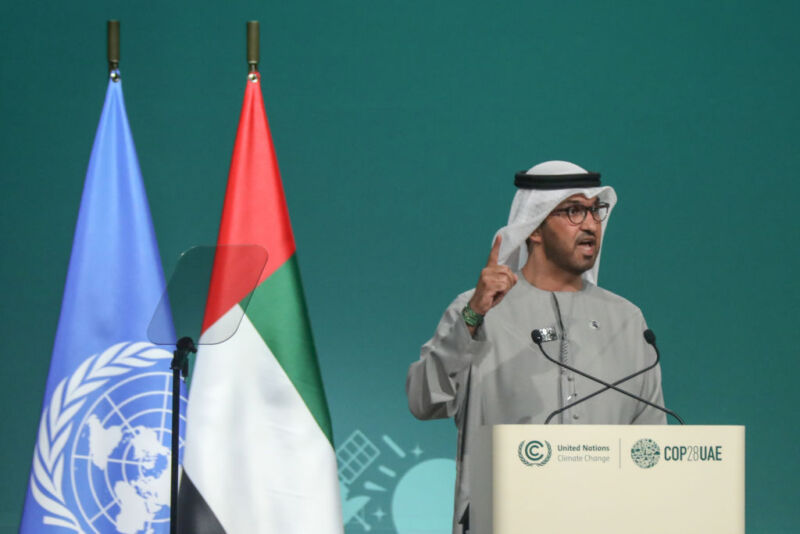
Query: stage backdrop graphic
{"x": 398, "y": 127}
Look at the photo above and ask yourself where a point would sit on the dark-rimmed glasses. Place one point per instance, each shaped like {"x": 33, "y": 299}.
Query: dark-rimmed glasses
{"x": 576, "y": 213}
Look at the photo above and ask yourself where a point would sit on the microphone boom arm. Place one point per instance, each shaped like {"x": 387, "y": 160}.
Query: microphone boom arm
{"x": 537, "y": 339}
{"x": 599, "y": 391}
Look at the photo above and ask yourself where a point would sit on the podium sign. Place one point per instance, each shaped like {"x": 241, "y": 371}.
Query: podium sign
{"x": 607, "y": 478}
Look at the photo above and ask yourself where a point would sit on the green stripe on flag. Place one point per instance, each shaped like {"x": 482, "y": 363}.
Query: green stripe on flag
{"x": 278, "y": 311}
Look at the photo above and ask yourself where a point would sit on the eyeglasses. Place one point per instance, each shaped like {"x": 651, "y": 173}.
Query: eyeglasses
{"x": 577, "y": 212}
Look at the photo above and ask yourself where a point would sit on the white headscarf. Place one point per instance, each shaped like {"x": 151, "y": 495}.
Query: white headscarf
{"x": 531, "y": 206}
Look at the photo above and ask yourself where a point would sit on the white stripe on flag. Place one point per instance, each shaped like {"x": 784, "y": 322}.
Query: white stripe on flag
{"x": 253, "y": 449}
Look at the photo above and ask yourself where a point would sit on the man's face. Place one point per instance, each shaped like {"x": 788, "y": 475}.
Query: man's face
{"x": 570, "y": 247}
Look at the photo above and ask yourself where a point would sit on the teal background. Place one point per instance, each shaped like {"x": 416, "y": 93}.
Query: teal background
{"x": 398, "y": 127}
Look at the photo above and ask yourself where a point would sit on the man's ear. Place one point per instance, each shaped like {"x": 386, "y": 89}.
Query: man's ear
{"x": 536, "y": 236}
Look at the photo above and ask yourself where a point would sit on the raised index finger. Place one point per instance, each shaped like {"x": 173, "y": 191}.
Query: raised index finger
{"x": 495, "y": 252}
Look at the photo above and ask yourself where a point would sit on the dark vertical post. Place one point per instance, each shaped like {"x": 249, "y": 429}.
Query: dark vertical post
{"x": 176, "y": 432}
{"x": 180, "y": 367}
{"x": 252, "y": 45}
{"x": 113, "y": 44}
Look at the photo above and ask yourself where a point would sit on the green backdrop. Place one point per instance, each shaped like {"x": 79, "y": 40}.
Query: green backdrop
{"x": 398, "y": 127}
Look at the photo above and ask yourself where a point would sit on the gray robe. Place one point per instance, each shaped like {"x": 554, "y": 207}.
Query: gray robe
{"x": 501, "y": 377}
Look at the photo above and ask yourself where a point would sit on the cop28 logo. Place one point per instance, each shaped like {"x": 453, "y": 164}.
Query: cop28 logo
{"x": 645, "y": 453}
{"x": 533, "y": 452}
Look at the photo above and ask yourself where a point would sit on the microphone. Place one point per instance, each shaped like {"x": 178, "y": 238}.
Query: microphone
{"x": 537, "y": 336}
{"x": 649, "y": 337}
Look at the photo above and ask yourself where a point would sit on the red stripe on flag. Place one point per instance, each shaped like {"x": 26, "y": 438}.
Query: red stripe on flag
{"x": 254, "y": 212}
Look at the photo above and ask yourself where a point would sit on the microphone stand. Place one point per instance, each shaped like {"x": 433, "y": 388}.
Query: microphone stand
{"x": 536, "y": 335}
{"x": 180, "y": 367}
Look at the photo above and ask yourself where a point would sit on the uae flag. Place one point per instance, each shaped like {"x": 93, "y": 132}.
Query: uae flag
{"x": 259, "y": 453}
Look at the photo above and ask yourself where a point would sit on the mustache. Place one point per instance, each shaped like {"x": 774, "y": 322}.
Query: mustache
{"x": 586, "y": 236}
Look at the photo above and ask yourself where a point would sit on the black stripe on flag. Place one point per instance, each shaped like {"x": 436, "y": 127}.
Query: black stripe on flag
{"x": 194, "y": 514}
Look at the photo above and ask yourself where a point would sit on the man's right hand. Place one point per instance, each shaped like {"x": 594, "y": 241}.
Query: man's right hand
{"x": 495, "y": 281}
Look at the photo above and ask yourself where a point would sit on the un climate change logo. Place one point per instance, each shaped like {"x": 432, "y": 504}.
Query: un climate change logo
{"x": 645, "y": 453}
{"x": 533, "y": 452}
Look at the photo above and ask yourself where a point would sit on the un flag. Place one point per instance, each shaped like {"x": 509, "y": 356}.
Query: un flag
{"x": 101, "y": 459}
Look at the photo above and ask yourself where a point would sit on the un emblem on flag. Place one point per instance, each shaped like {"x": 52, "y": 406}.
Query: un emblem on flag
{"x": 118, "y": 457}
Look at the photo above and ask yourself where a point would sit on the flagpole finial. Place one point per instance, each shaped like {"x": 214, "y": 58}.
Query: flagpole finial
{"x": 113, "y": 45}
{"x": 252, "y": 45}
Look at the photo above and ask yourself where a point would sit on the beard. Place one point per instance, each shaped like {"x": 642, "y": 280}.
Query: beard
{"x": 576, "y": 256}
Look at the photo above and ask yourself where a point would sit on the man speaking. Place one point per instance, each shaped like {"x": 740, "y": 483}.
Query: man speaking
{"x": 481, "y": 367}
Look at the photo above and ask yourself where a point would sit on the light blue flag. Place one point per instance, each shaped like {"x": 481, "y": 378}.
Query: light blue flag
{"x": 101, "y": 462}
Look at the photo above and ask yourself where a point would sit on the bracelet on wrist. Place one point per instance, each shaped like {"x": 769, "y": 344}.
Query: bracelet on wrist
{"x": 471, "y": 317}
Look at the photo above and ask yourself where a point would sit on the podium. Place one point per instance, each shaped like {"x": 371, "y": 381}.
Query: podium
{"x": 607, "y": 479}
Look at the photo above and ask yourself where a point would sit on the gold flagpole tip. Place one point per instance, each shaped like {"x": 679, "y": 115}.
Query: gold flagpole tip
{"x": 252, "y": 45}
{"x": 113, "y": 44}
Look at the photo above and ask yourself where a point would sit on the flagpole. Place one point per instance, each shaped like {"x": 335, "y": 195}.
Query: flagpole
{"x": 252, "y": 45}
{"x": 113, "y": 45}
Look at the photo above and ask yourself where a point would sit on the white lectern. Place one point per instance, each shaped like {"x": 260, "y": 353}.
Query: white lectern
{"x": 607, "y": 479}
